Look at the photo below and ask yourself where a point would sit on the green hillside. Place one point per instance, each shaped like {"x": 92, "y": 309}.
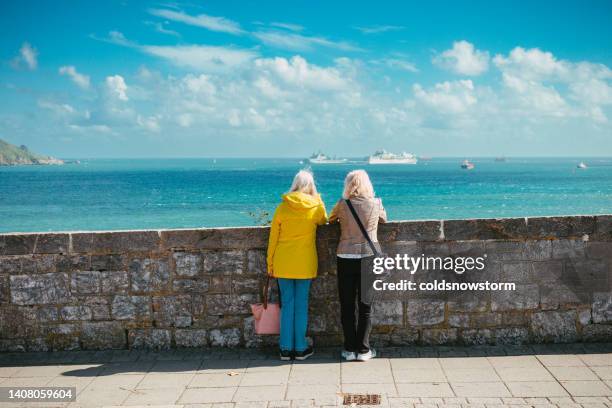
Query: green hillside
{"x": 11, "y": 155}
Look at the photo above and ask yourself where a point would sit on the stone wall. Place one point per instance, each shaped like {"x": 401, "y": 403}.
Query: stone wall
{"x": 193, "y": 288}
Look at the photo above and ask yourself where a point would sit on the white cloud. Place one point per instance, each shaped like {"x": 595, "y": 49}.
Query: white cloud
{"x": 211, "y": 23}
{"x": 117, "y": 87}
{"x": 80, "y": 79}
{"x": 379, "y": 29}
{"x": 150, "y": 123}
{"x": 288, "y": 26}
{"x": 397, "y": 63}
{"x": 534, "y": 77}
{"x": 533, "y": 96}
{"x": 531, "y": 64}
{"x": 298, "y": 42}
{"x": 201, "y": 57}
{"x": 58, "y": 108}
{"x": 463, "y": 59}
{"x": 454, "y": 97}
{"x": 28, "y": 57}
{"x": 297, "y": 72}
{"x": 160, "y": 28}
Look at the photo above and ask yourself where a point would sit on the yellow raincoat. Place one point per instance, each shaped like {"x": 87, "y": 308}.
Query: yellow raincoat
{"x": 292, "y": 253}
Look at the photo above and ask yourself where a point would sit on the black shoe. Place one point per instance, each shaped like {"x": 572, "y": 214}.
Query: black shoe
{"x": 303, "y": 355}
{"x": 285, "y": 355}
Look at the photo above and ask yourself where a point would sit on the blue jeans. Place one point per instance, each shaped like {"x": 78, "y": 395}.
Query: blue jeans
{"x": 294, "y": 313}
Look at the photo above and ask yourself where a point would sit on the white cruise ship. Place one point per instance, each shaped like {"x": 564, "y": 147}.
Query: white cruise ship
{"x": 384, "y": 157}
{"x": 320, "y": 158}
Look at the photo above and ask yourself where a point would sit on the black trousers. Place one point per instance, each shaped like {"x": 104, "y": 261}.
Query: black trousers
{"x": 356, "y": 331}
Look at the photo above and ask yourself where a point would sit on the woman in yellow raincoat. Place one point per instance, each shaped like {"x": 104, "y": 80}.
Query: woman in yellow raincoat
{"x": 292, "y": 259}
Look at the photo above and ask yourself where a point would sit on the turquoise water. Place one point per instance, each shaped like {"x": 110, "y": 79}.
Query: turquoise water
{"x": 178, "y": 193}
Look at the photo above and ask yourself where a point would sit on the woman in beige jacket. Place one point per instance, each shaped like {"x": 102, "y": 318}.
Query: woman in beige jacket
{"x": 354, "y": 255}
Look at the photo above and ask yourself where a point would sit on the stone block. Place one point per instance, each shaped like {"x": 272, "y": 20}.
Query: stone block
{"x": 223, "y": 304}
{"x": 103, "y": 335}
{"x": 517, "y": 272}
{"x": 256, "y": 262}
{"x": 243, "y": 284}
{"x": 483, "y": 229}
{"x": 537, "y": 250}
{"x": 124, "y": 307}
{"x": 10, "y": 265}
{"x": 191, "y": 338}
{"x": 187, "y": 264}
{"x": 556, "y": 294}
{"x": 601, "y": 333}
{"x": 224, "y": 337}
{"x": 172, "y": 311}
{"x": 46, "y": 314}
{"x": 40, "y": 289}
{"x": 17, "y": 244}
{"x": 224, "y": 262}
{"x": 476, "y": 337}
{"x": 72, "y": 263}
{"x": 487, "y": 319}
{"x": 437, "y": 337}
{"x": 87, "y": 282}
{"x": 547, "y": 271}
{"x": 585, "y": 317}
{"x": 150, "y": 339}
{"x": 560, "y": 227}
{"x": 603, "y": 228}
{"x": 511, "y": 336}
{"x": 149, "y": 275}
{"x": 214, "y": 238}
{"x": 602, "y": 250}
{"x": 388, "y": 313}
{"x": 109, "y": 262}
{"x": 4, "y": 289}
{"x": 190, "y": 285}
{"x": 468, "y": 301}
{"x": 568, "y": 248}
{"x": 115, "y": 282}
{"x": 504, "y": 250}
{"x": 115, "y": 242}
{"x": 602, "y": 307}
{"x": 38, "y": 264}
{"x": 99, "y": 306}
{"x": 424, "y": 312}
{"x": 525, "y": 297}
{"x": 461, "y": 320}
{"x": 554, "y": 326}
{"x": 418, "y": 231}
{"x": 76, "y": 313}
{"x": 52, "y": 243}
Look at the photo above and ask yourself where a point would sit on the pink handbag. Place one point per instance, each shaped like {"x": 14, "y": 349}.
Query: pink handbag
{"x": 267, "y": 315}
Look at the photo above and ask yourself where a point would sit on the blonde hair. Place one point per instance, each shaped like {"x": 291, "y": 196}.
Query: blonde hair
{"x": 304, "y": 182}
{"x": 357, "y": 184}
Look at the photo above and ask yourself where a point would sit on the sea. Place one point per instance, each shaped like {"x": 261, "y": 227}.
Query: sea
{"x": 121, "y": 194}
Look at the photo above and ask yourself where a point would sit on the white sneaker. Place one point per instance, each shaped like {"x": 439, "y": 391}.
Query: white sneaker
{"x": 348, "y": 355}
{"x": 366, "y": 356}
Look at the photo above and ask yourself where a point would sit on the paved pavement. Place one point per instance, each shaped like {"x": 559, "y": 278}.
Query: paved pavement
{"x": 571, "y": 376}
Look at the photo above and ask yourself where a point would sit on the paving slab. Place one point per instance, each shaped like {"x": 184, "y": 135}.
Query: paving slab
{"x": 536, "y": 389}
{"x": 587, "y": 388}
{"x": 481, "y": 389}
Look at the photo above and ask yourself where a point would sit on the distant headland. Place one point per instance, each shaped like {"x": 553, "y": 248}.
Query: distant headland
{"x": 11, "y": 155}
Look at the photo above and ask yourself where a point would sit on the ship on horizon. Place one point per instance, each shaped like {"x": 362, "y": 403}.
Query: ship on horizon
{"x": 320, "y": 158}
{"x": 384, "y": 157}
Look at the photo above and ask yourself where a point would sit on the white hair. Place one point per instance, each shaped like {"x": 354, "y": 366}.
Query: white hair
{"x": 304, "y": 182}
{"x": 357, "y": 184}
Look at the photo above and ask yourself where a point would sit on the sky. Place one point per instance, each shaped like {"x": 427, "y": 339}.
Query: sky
{"x": 81, "y": 79}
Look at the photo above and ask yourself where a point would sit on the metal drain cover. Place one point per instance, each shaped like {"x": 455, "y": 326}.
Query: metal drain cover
{"x": 361, "y": 399}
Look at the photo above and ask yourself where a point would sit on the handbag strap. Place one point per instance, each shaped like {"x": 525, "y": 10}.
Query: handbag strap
{"x": 361, "y": 227}
{"x": 265, "y": 292}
